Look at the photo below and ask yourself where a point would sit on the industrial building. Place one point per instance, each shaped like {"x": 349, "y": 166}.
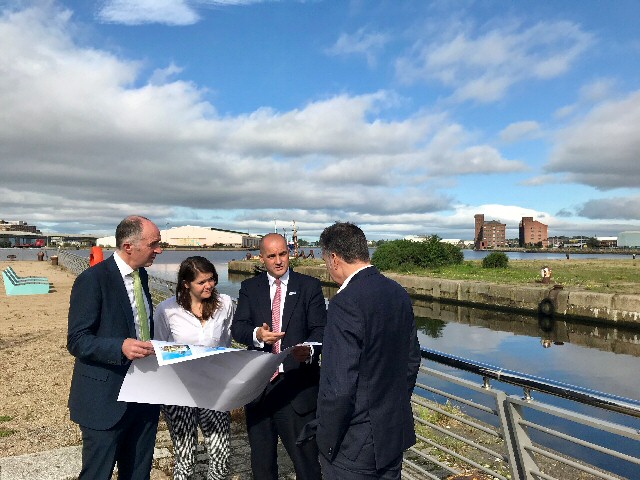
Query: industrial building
{"x": 17, "y": 226}
{"x": 489, "y": 234}
{"x": 189, "y": 236}
{"x": 629, "y": 239}
{"x": 21, "y": 234}
{"x": 533, "y": 233}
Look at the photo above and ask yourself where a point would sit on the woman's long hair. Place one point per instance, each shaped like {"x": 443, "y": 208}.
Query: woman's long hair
{"x": 189, "y": 270}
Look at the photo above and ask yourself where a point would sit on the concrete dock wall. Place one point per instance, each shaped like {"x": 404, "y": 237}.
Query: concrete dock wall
{"x": 605, "y": 307}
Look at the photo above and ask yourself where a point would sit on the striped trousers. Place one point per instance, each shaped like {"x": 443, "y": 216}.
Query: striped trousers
{"x": 183, "y": 425}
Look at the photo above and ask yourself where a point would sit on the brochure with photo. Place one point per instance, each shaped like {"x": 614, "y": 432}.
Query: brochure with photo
{"x": 168, "y": 353}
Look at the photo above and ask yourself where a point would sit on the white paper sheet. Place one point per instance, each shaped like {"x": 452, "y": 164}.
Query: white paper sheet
{"x": 218, "y": 380}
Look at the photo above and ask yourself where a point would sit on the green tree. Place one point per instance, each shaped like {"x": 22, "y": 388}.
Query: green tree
{"x": 495, "y": 260}
{"x": 593, "y": 242}
{"x": 405, "y": 255}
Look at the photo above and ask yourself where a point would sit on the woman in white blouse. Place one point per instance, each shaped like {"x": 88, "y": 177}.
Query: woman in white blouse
{"x": 197, "y": 315}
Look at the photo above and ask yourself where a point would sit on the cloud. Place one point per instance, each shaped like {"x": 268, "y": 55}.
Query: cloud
{"x": 518, "y": 131}
{"x": 160, "y": 76}
{"x": 565, "y": 213}
{"x": 601, "y": 148}
{"x": 167, "y": 12}
{"x": 597, "y": 90}
{"x": 89, "y": 142}
{"x": 543, "y": 180}
{"x": 483, "y": 66}
{"x": 588, "y": 95}
{"x": 620, "y": 208}
{"x": 449, "y": 153}
{"x": 137, "y": 12}
{"x": 360, "y": 43}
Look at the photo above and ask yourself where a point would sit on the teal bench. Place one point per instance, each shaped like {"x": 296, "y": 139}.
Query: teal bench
{"x": 15, "y": 285}
{"x": 10, "y": 271}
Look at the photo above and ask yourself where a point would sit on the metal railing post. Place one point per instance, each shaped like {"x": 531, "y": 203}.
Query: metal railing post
{"x": 509, "y": 435}
{"x": 518, "y": 440}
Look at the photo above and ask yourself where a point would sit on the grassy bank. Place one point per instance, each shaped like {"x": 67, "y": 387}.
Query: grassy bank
{"x": 605, "y": 276}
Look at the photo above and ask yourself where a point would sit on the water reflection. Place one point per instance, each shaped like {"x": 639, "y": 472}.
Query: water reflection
{"x": 431, "y": 318}
{"x": 554, "y": 332}
{"x": 432, "y": 327}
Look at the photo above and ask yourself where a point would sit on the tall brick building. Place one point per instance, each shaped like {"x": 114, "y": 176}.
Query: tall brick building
{"x": 489, "y": 234}
{"x": 533, "y": 232}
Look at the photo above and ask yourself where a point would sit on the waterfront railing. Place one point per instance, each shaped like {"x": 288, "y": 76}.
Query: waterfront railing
{"x": 483, "y": 429}
{"x": 473, "y": 426}
{"x": 160, "y": 288}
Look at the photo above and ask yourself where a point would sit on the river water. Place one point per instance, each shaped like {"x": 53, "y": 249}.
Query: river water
{"x": 595, "y": 356}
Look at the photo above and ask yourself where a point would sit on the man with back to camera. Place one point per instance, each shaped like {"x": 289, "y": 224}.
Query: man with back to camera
{"x": 289, "y": 400}
{"x": 110, "y": 324}
{"x": 370, "y": 362}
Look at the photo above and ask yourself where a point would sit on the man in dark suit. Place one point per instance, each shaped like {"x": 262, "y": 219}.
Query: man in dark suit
{"x": 289, "y": 401}
{"x": 107, "y": 330}
{"x": 370, "y": 363}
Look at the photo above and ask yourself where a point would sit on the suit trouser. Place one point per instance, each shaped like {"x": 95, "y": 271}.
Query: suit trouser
{"x": 183, "y": 426}
{"x": 129, "y": 443}
{"x": 362, "y": 467}
{"x": 269, "y": 418}
{"x": 331, "y": 471}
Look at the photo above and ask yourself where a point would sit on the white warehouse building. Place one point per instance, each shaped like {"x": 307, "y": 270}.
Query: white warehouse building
{"x": 629, "y": 239}
{"x": 189, "y": 236}
{"x": 192, "y": 236}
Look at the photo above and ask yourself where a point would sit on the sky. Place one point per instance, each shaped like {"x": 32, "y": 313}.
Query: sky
{"x": 406, "y": 117}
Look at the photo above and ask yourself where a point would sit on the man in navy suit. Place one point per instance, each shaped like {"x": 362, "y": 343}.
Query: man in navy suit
{"x": 370, "y": 363}
{"x": 289, "y": 401}
{"x": 106, "y": 332}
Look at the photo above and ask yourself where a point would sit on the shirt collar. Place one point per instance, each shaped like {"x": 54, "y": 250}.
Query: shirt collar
{"x": 284, "y": 278}
{"x": 124, "y": 268}
{"x": 346, "y": 282}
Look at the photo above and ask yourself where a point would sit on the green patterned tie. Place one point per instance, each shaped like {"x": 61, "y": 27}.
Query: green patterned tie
{"x": 142, "y": 311}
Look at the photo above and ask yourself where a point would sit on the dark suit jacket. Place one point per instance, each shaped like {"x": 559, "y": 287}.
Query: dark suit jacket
{"x": 370, "y": 362}
{"x": 303, "y": 319}
{"x": 100, "y": 319}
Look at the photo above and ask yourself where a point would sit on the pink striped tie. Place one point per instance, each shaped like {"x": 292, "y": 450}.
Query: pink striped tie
{"x": 275, "y": 321}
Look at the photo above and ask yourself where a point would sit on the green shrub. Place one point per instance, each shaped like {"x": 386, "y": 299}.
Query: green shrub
{"x": 405, "y": 255}
{"x": 495, "y": 260}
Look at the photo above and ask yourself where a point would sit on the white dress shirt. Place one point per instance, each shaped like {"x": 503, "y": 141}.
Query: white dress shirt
{"x": 175, "y": 324}
{"x": 284, "y": 281}
{"x": 127, "y": 278}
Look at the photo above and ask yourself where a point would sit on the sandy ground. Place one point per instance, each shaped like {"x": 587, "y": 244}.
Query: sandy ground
{"x": 35, "y": 364}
